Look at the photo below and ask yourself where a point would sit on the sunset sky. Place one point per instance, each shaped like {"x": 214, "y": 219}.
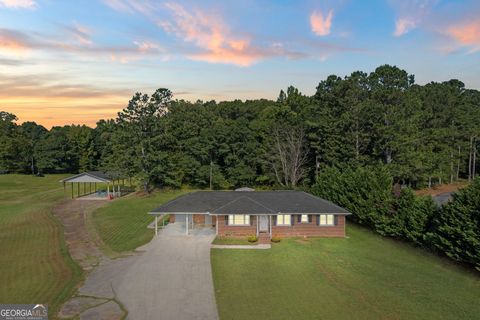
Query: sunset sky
{"x": 64, "y": 62}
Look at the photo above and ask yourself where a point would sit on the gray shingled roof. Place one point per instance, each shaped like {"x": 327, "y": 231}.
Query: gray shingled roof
{"x": 254, "y": 202}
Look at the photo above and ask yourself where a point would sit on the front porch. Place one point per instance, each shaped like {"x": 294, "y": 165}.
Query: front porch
{"x": 252, "y": 225}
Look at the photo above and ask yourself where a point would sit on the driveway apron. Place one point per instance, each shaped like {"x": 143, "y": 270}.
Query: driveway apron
{"x": 171, "y": 280}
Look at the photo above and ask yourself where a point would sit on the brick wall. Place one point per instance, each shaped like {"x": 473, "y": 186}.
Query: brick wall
{"x": 199, "y": 218}
{"x": 225, "y": 230}
{"x": 310, "y": 229}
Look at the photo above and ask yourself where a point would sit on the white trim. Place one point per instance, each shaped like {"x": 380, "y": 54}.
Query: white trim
{"x": 179, "y": 212}
{"x": 68, "y": 180}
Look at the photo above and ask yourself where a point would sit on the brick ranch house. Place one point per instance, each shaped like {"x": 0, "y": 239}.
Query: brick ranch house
{"x": 246, "y": 213}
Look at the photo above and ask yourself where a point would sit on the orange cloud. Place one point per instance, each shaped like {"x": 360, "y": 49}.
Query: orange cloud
{"x": 78, "y": 44}
{"x": 467, "y": 34}
{"x": 25, "y": 4}
{"x": 38, "y": 98}
{"x": 11, "y": 41}
{"x": 321, "y": 25}
{"x": 212, "y": 35}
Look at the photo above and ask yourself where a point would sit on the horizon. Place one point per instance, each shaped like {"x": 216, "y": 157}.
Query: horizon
{"x": 64, "y": 64}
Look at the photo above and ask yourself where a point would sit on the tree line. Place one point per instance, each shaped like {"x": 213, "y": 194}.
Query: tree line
{"x": 452, "y": 230}
{"x": 422, "y": 134}
{"x": 350, "y": 142}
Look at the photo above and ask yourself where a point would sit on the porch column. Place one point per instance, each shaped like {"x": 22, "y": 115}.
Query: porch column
{"x": 270, "y": 222}
{"x": 256, "y": 217}
{"x": 156, "y": 225}
{"x": 186, "y": 226}
{"x": 216, "y": 225}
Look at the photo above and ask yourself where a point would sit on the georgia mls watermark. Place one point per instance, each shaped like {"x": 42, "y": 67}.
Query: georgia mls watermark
{"x": 23, "y": 312}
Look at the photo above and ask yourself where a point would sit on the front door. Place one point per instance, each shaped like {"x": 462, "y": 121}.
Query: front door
{"x": 263, "y": 224}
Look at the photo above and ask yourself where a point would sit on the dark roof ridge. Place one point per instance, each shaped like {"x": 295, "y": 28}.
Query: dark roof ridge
{"x": 237, "y": 199}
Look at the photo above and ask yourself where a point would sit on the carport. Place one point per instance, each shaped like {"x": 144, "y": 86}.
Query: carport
{"x": 185, "y": 220}
{"x": 86, "y": 184}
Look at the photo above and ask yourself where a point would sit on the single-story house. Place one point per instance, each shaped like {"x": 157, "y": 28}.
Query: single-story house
{"x": 246, "y": 213}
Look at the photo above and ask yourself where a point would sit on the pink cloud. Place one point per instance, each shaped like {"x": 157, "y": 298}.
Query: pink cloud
{"x": 12, "y": 41}
{"x": 132, "y": 6}
{"x": 410, "y": 14}
{"x": 17, "y": 42}
{"x": 466, "y": 34}
{"x": 18, "y": 4}
{"x": 320, "y": 24}
{"x": 403, "y": 26}
{"x": 213, "y": 37}
{"x": 81, "y": 33}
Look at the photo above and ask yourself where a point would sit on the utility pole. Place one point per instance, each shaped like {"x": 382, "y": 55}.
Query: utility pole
{"x": 211, "y": 172}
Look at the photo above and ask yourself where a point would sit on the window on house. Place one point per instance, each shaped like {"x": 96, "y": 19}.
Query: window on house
{"x": 239, "y": 219}
{"x": 326, "y": 220}
{"x": 304, "y": 218}
{"x": 284, "y": 220}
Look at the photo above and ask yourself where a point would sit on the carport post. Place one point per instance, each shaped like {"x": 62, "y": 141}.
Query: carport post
{"x": 156, "y": 225}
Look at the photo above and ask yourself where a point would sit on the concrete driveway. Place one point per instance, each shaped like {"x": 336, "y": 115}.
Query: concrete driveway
{"x": 169, "y": 278}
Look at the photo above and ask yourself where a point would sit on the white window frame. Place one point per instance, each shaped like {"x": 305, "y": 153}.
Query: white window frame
{"x": 304, "y": 221}
{"x": 233, "y": 217}
{"x": 326, "y": 224}
{"x": 282, "y": 223}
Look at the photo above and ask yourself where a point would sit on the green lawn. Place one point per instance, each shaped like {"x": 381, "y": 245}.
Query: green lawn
{"x": 35, "y": 266}
{"x": 362, "y": 277}
{"x": 122, "y": 225}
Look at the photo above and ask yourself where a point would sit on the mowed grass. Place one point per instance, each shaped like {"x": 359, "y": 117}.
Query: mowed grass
{"x": 362, "y": 277}
{"x": 122, "y": 225}
{"x": 35, "y": 266}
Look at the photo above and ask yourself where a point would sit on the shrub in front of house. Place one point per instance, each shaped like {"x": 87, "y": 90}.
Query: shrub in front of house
{"x": 276, "y": 239}
{"x": 252, "y": 239}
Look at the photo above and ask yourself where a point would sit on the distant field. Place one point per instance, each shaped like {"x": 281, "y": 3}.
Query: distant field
{"x": 34, "y": 263}
{"x": 122, "y": 225}
{"x": 362, "y": 277}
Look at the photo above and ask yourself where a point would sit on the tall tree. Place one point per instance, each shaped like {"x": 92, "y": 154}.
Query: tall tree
{"x": 141, "y": 123}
